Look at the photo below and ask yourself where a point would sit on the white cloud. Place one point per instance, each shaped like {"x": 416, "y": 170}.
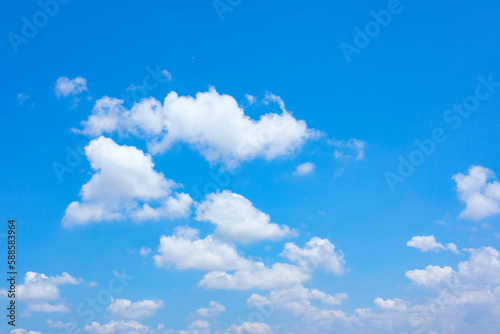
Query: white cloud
{"x": 294, "y": 294}
{"x": 238, "y": 220}
{"x": 297, "y": 300}
{"x": 483, "y": 267}
{"x": 176, "y": 206}
{"x": 305, "y": 168}
{"x": 249, "y": 328}
{"x": 105, "y": 118}
{"x": 58, "y": 324}
{"x": 167, "y": 75}
{"x": 41, "y": 287}
{"x": 134, "y": 310}
{"x": 279, "y": 275}
{"x": 482, "y": 198}
{"x": 123, "y": 176}
{"x": 213, "y": 310}
{"x": 46, "y": 308}
{"x": 250, "y": 98}
{"x": 185, "y": 250}
{"x": 66, "y": 86}
{"x": 204, "y": 254}
{"x": 23, "y": 331}
{"x": 199, "y": 324}
{"x": 429, "y": 243}
{"x": 391, "y": 304}
{"x": 125, "y": 327}
{"x": 38, "y": 288}
{"x": 187, "y": 232}
{"x": 144, "y": 251}
{"x": 431, "y": 276}
{"x": 211, "y": 123}
{"x": 198, "y": 327}
{"x": 352, "y": 149}
{"x": 467, "y": 300}
{"x": 317, "y": 254}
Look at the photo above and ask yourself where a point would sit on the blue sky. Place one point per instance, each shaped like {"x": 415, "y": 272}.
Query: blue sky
{"x": 255, "y": 163}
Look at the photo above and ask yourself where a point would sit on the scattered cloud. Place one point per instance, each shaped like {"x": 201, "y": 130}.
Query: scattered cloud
{"x": 297, "y": 300}
{"x": 391, "y": 304}
{"x": 305, "y": 168}
{"x": 317, "y": 254}
{"x": 195, "y": 253}
{"x": 467, "y": 299}
{"x": 133, "y": 310}
{"x": 167, "y": 75}
{"x": 429, "y": 243}
{"x": 58, "y": 324}
{"x": 66, "y": 86}
{"x": 37, "y": 289}
{"x": 251, "y": 99}
{"x": 145, "y": 251}
{"x": 124, "y": 176}
{"x": 277, "y": 276}
{"x": 22, "y": 98}
{"x": 46, "y": 308}
{"x": 236, "y": 219}
{"x": 482, "y": 268}
{"x": 112, "y": 327}
{"x": 249, "y": 328}
{"x": 431, "y": 276}
{"x": 482, "y": 198}
{"x": 23, "y": 331}
{"x": 213, "y": 310}
{"x": 42, "y": 287}
{"x": 352, "y": 149}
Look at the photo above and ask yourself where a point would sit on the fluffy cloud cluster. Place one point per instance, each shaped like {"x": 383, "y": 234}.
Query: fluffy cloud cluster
{"x": 482, "y": 198}
{"x": 211, "y": 123}
{"x": 195, "y": 327}
{"x": 124, "y": 176}
{"x": 317, "y": 253}
{"x": 277, "y": 276}
{"x": 38, "y": 289}
{"x": 195, "y": 253}
{"x": 113, "y": 327}
{"x": 470, "y": 293}
{"x": 134, "y": 310}
{"x": 431, "y": 276}
{"x": 188, "y": 251}
{"x": 43, "y": 287}
{"x": 236, "y": 219}
{"x": 482, "y": 268}
{"x": 429, "y": 243}
{"x": 391, "y": 304}
{"x": 297, "y": 300}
